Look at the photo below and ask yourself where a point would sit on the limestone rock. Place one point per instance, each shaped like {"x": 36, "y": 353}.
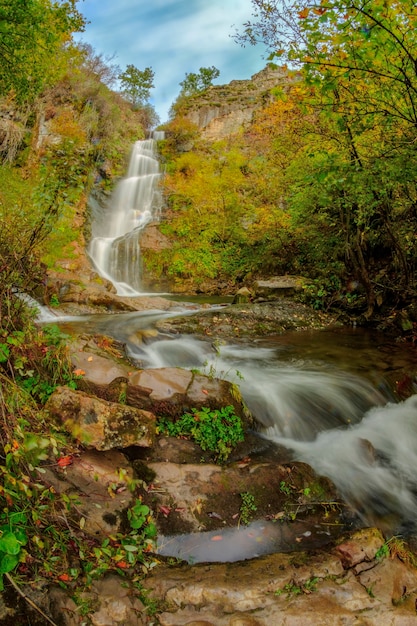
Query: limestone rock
{"x": 277, "y": 287}
{"x": 100, "y": 424}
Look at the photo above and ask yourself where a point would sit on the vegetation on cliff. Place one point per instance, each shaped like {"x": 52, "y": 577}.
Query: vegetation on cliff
{"x": 322, "y": 182}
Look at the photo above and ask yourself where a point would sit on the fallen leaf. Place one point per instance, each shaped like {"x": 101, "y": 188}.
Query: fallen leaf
{"x": 217, "y": 538}
{"x": 122, "y": 564}
{"x": 64, "y": 461}
{"x": 165, "y": 510}
{"x": 79, "y": 372}
{"x": 64, "y": 578}
{"x": 214, "y": 514}
{"x": 205, "y": 391}
{"x": 90, "y": 358}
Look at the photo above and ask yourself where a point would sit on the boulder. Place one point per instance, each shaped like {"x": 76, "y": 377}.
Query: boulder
{"x": 277, "y": 287}
{"x": 99, "y": 424}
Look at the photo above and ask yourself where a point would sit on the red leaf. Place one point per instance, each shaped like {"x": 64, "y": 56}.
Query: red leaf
{"x": 165, "y": 510}
{"x": 64, "y": 461}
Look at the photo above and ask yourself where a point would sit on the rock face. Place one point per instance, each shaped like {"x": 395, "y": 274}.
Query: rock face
{"x": 223, "y": 109}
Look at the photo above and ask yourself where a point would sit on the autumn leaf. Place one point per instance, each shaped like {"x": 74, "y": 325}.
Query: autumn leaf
{"x": 79, "y": 372}
{"x": 304, "y": 13}
{"x": 64, "y": 461}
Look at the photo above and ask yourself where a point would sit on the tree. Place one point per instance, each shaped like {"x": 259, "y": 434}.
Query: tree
{"x": 359, "y": 60}
{"x": 136, "y": 85}
{"x": 32, "y": 36}
{"x": 196, "y": 83}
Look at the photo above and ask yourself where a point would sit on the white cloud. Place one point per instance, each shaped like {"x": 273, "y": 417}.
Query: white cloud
{"x": 174, "y": 37}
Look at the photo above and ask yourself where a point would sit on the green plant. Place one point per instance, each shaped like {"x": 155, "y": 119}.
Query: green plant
{"x": 54, "y": 300}
{"x": 247, "y": 507}
{"x": 293, "y": 589}
{"x": 217, "y": 430}
{"x": 38, "y": 360}
{"x": 285, "y": 488}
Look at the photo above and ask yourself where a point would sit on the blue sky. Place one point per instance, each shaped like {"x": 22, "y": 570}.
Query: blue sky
{"x": 174, "y": 37}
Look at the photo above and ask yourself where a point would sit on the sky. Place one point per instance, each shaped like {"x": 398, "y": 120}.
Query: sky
{"x": 173, "y": 37}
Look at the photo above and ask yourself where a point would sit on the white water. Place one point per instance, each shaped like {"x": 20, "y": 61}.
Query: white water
{"x": 136, "y": 201}
{"x": 331, "y": 419}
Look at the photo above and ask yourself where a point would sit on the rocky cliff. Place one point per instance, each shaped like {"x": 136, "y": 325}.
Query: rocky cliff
{"x": 223, "y": 109}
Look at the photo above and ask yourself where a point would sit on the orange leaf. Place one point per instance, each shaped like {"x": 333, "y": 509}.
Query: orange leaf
{"x": 122, "y": 564}
{"x": 217, "y": 538}
{"x": 65, "y": 578}
{"x": 79, "y": 372}
{"x": 205, "y": 391}
{"x": 64, "y": 461}
{"x": 304, "y": 13}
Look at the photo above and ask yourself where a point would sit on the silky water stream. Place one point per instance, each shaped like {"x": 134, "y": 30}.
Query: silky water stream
{"x": 332, "y": 398}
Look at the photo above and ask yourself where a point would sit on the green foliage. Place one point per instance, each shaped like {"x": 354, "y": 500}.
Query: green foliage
{"x": 247, "y": 507}
{"x": 136, "y": 84}
{"x": 196, "y": 83}
{"x": 37, "y": 359}
{"x": 32, "y": 33}
{"x": 293, "y": 589}
{"x": 217, "y": 430}
{"x": 285, "y": 488}
{"x": 348, "y": 182}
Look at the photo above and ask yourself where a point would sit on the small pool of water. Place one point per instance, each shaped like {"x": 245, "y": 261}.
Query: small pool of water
{"x": 246, "y": 542}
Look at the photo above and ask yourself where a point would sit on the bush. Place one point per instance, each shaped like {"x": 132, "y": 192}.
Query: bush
{"x": 215, "y": 430}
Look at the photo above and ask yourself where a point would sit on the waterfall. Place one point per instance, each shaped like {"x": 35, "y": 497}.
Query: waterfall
{"x": 136, "y": 201}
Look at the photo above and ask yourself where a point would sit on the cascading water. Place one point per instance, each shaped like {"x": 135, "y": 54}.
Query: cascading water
{"x": 334, "y": 420}
{"x": 136, "y": 201}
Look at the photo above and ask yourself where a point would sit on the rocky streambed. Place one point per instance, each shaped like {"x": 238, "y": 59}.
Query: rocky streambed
{"x": 254, "y": 541}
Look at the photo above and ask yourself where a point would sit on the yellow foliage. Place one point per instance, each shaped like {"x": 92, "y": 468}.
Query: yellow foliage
{"x": 66, "y": 126}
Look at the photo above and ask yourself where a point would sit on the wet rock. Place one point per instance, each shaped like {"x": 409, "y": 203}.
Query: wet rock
{"x": 99, "y": 369}
{"x": 100, "y": 424}
{"x": 249, "y": 320}
{"x": 392, "y": 579}
{"x": 295, "y": 590}
{"x": 277, "y": 287}
{"x": 362, "y": 546}
{"x": 115, "y": 604}
{"x": 100, "y": 482}
{"x": 192, "y": 497}
{"x": 173, "y": 391}
{"x": 242, "y": 296}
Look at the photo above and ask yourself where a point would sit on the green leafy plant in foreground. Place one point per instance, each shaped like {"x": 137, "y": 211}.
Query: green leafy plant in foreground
{"x": 217, "y": 430}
